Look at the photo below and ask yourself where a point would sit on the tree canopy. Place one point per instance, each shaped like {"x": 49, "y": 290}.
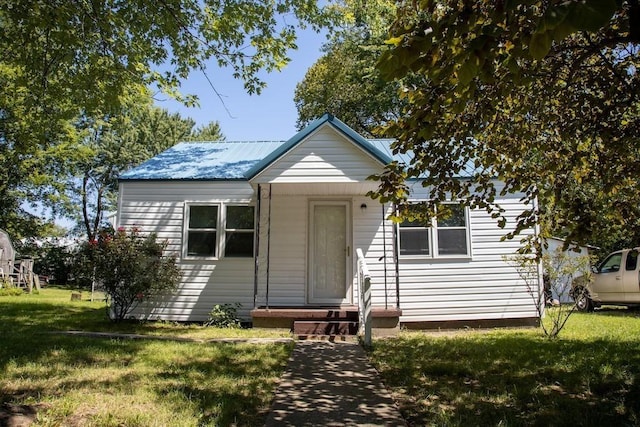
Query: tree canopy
{"x": 111, "y": 145}
{"x": 345, "y": 81}
{"x": 65, "y": 62}
{"x": 542, "y": 95}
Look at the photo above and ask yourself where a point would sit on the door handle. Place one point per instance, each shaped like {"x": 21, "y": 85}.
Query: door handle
{"x": 618, "y": 277}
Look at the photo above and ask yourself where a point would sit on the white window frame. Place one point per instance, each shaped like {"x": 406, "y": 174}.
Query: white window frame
{"x": 432, "y": 236}
{"x": 221, "y": 230}
{"x": 187, "y": 229}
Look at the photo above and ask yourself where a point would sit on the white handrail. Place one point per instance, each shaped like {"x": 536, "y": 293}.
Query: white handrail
{"x": 364, "y": 291}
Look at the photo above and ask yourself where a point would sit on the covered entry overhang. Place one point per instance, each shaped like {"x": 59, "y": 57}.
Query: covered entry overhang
{"x": 305, "y": 265}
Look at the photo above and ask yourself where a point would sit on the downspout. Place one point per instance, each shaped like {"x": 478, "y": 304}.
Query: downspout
{"x": 256, "y": 253}
{"x": 384, "y": 257}
{"x": 395, "y": 257}
{"x": 268, "y": 246}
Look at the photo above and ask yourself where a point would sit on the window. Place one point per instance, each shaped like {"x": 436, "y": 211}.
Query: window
{"x": 611, "y": 264}
{"x": 215, "y": 230}
{"x": 414, "y": 237}
{"x": 632, "y": 260}
{"x": 444, "y": 236}
{"x": 202, "y": 230}
{"x": 239, "y": 231}
{"x": 452, "y": 230}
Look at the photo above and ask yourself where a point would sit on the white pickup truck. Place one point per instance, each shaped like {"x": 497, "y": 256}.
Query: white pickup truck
{"x": 616, "y": 281}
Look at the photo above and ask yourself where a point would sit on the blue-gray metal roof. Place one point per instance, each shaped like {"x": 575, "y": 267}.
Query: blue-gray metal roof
{"x": 203, "y": 161}
{"x": 235, "y": 160}
{"x": 244, "y": 160}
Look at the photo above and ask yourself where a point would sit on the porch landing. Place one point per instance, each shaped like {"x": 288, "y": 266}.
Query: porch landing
{"x": 326, "y": 321}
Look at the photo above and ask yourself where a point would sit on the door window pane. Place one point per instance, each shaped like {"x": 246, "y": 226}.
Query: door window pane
{"x": 632, "y": 260}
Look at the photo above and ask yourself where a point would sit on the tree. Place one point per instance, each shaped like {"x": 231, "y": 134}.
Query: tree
{"x": 542, "y": 95}
{"x": 208, "y": 132}
{"x": 344, "y": 81}
{"x": 63, "y": 60}
{"x": 113, "y": 144}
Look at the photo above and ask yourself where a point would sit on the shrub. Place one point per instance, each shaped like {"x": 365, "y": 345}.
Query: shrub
{"x": 561, "y": 270}
{"x": 131, "y": 268}
{"x": 224, "y": 316}
{"x": 9, "y": 289}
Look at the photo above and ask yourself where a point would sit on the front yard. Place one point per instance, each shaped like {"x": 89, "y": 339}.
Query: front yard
{"x": 590, "y": 376}
{"x": 74, "y": 381}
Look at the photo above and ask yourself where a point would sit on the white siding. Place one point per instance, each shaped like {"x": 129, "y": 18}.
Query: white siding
{"x": 482, "y": 286}
{"x": 325, "y": 156}
{"x": 159, "y": 207}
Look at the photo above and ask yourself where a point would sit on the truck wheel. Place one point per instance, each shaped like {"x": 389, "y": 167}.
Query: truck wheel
{"x": 583, "y": 302}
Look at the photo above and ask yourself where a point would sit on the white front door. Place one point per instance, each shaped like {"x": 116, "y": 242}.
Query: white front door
{"x": 329, "y": 253}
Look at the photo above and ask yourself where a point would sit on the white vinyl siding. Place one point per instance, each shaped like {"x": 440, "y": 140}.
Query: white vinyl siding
{"x": 159, "y": 206}
{"x": 483, "y": 287}
{"x": 326, "y": 156}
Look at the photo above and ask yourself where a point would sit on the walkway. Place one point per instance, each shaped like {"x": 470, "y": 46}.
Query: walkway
{"x": 331, "y": 384}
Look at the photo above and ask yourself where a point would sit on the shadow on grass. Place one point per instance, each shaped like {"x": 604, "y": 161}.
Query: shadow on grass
{"x": 512, "y": 380}
{"x": 233, "y": 386}
{"x": 218, "y": 384}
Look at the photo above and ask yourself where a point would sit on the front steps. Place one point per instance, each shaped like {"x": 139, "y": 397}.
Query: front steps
{"x": 325, "y": 322}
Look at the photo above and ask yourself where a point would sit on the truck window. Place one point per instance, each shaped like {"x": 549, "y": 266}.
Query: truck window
{"x": 632, "y": 261}
{"x": 612, "y": 263}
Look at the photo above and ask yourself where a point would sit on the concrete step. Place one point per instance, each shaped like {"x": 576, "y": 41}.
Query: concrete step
{"x": 325, "y": 327}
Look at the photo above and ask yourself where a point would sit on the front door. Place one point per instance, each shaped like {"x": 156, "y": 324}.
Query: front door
{"x": 329, "y": 253}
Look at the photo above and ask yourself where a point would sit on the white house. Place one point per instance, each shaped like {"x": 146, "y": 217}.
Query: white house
{"x": 275, "y": 226}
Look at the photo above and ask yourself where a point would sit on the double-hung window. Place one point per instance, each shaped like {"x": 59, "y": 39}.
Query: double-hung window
{"x": 446, "y": 235}
{"x": 219, "y": 230}
{"x": 239, "y": 231}
{"x": 202, "y": 227}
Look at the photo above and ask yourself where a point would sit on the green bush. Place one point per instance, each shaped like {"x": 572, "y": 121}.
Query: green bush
{"x": 224, "y": 316}
{"x": 131, "y": 268}
{"x": 9, "y": 289}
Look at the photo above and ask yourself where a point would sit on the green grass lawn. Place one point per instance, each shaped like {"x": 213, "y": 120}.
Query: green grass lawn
{"x": 75, "y": 380}
{"x": 589, "y": 376}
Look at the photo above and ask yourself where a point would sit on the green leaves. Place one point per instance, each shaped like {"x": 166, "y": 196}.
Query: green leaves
{"x": 561, "y": 20}
{"x": 540, "y": 97}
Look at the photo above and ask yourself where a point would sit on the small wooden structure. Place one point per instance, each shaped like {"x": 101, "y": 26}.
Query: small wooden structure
{"x": 19, "y": 272}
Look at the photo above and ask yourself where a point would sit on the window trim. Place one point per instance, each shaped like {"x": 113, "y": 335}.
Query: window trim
{"x": 434, "y": 253}
{"x": 187, "y": 229}
{"x": 221, "y": 230}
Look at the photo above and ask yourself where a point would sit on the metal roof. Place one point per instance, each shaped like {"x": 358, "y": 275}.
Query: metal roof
{"x": 203, "y": 161}
{"x": 237, "y": 160}
{"x": 244, "y": 160}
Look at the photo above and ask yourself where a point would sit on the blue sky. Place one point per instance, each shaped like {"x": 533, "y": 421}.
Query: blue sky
{"x": 269, "y": 116}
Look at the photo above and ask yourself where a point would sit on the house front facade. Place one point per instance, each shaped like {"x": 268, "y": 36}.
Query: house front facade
{"x": 275, "y": 227}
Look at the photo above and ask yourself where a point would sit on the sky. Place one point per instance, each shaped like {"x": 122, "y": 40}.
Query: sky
{"x": 270, "y": 116}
